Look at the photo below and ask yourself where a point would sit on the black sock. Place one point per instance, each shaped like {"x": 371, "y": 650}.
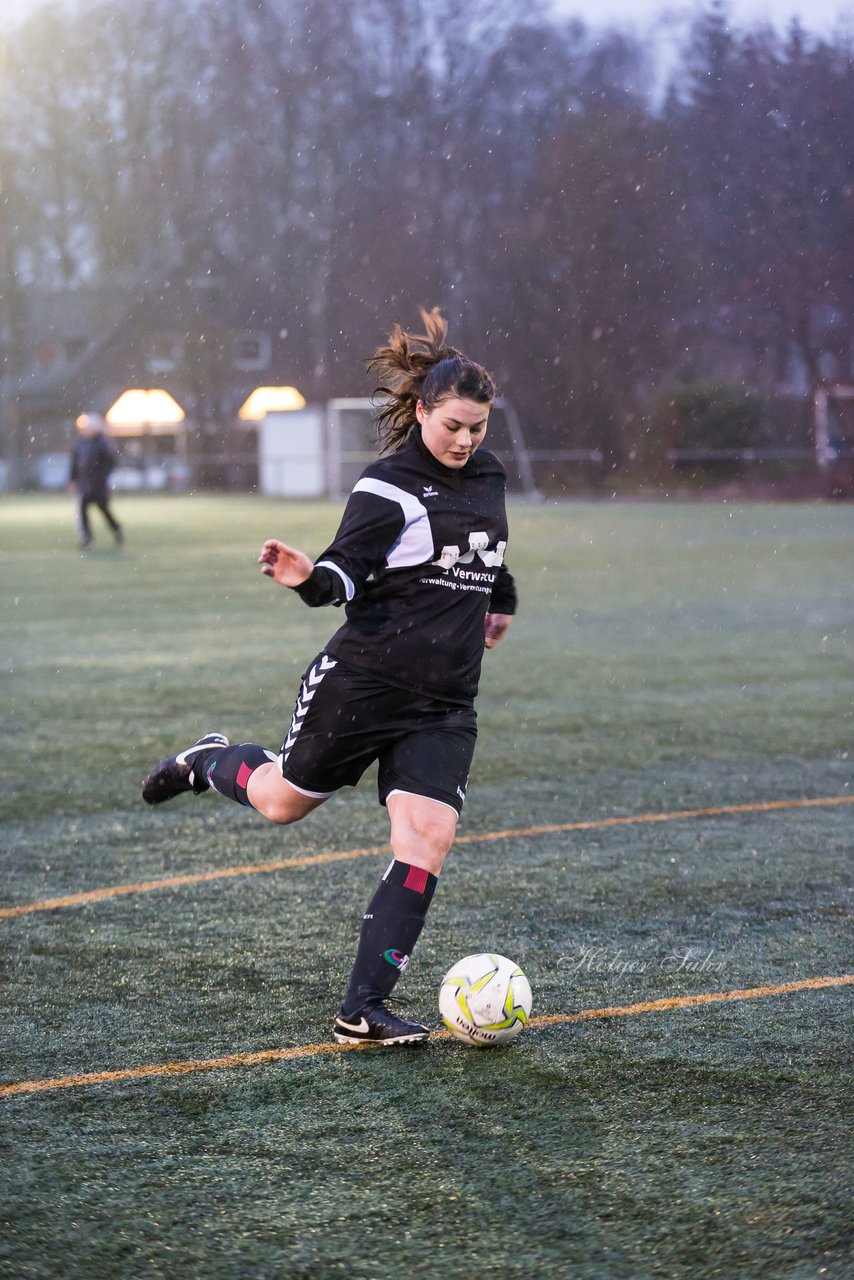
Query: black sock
{"x": 390, "y": 929}
{"x": 228, "y": 769}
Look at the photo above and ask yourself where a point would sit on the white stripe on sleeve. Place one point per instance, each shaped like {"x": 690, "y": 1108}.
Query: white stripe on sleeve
{"x": 349, "y": 586}
{"x": 415, "y": 544}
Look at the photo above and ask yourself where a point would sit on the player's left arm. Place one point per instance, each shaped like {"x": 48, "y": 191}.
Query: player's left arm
{"x": 502, "y": 606}
{"x": 494, "y": 627}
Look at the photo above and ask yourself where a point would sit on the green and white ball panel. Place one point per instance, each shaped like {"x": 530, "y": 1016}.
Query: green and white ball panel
{"x": 485, "y": 1000}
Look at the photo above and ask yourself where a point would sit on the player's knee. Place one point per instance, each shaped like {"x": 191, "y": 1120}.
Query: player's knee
{"x": 425, "y": 838}
{"x": 283, "y": 805}
{"x": 440, "y": 837}
{"x": 280, "y": 812}
{"x": 285, "y": 808}
{"x": 275, "y": 799}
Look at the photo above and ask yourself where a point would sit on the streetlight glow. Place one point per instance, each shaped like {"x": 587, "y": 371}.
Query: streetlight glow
{"x": 137, "y": 408}
{"x": 264, "y": 400}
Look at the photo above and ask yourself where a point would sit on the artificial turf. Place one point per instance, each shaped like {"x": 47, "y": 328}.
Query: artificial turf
{"x": 666, "y": 657}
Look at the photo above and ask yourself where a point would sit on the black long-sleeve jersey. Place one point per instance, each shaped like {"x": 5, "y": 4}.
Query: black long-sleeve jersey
{"x": 418, "y": 560}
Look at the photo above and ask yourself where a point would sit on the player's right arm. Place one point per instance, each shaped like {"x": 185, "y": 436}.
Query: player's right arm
{"x": 369, "y": 527}
{"x": 285, "y": 565}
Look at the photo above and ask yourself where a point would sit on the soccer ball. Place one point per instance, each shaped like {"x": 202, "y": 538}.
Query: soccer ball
{"x": 485, "y": 1000}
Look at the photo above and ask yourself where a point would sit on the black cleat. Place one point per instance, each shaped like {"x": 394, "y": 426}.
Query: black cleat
{"x": 175, "y": 774}
{"x": 375, "y": 1024}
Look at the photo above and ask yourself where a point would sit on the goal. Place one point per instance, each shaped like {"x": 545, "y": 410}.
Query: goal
{"x": 833, "y": 420}
{"x": 351, "y": 444}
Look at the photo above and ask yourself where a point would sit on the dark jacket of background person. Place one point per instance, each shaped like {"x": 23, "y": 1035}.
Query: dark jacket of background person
{"x": 92, "y": 461}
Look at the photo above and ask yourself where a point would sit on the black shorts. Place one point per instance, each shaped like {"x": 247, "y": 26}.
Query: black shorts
{"x": 345, "y": 719}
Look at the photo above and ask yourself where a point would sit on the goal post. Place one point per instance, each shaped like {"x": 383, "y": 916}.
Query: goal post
{"x": 833, "y": 424}
{"x": 351, "y": 444}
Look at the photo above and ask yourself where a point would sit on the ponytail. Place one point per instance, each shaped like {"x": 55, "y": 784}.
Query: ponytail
{"x": 422, "y": 366}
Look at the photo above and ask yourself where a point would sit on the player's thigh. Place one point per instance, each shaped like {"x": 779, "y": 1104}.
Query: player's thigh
{"x": 274, "y": 797}
{"x": 433, "y": 759}
{"x": 422, "y": 830}
{"x": 342, "y": 720}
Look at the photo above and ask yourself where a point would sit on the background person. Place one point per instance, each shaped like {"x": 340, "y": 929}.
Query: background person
{"x": 92, "y": 462}
{"x": 418, "y": 564}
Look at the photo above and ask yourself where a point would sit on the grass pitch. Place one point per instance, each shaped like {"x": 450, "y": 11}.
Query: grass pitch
{"x": 666, "y": 658}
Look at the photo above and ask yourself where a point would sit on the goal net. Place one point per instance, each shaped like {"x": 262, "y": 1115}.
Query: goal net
{"x": 834, "y": 424}
{"x": 351, "y": 443}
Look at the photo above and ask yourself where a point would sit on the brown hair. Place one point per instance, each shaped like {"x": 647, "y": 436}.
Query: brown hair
{"x": 422, "y": 366}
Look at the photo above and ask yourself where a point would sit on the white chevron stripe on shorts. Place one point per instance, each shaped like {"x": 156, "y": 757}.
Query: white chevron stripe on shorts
{"x": 307, "y": 691}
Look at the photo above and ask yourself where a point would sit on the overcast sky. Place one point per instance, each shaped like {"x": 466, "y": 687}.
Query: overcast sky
{"x": 818, "y": 15}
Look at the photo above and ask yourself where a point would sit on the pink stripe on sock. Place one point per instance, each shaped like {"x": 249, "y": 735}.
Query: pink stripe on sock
{"x": 244, "y": 773}
{"x": 416, "y": 879}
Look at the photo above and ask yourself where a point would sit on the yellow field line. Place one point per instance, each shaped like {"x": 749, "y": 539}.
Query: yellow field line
{"x": 315, "y": 1050}
{"x": 689, "y": 1002}
{"x": 197, "y": 877}
{"x": 347, "y": 855}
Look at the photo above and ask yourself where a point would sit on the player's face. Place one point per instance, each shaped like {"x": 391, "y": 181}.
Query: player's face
{"x": 453, "y": 429}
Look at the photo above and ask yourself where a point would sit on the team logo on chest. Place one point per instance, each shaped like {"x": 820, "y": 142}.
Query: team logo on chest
{"x": 478, "y": 545}
{"x": 429, "y": 492}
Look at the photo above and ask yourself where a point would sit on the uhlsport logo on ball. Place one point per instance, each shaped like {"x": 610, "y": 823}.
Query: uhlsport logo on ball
{"x": 485, "y": 1000}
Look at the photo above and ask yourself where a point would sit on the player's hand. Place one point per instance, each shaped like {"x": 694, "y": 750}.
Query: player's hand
{"x": 284, "y": 564}
{"x": 494, "y": 626}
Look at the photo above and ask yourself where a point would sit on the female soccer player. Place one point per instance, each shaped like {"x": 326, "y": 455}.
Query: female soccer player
{"x": 418, "y": 562}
